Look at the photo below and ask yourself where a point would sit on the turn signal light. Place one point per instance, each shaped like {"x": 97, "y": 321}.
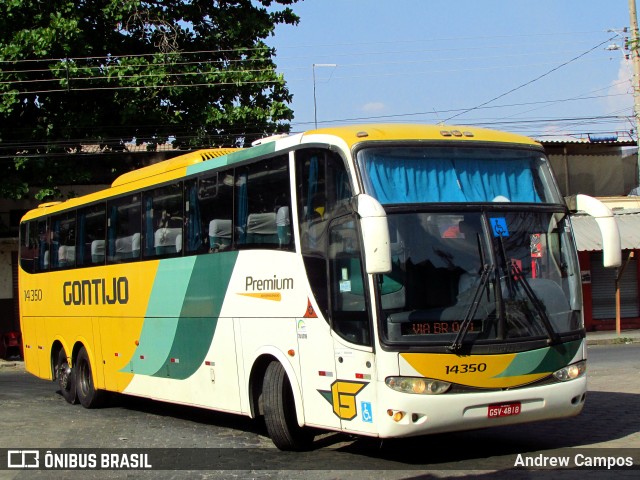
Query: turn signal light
{"x": 396, "y": 415}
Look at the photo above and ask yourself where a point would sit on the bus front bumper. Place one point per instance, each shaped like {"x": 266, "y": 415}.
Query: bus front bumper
{"x": 405, "y": 415}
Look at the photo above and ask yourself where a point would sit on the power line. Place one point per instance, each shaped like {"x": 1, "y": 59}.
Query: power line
{"x": 72, "y": 79}
{"x": 141, "y": 75}
{"x": 447, "y": 40}
{"x": 115, "y": 56}
{"x": 146, "y": 87}
{"x": 247, "y": 130}
{"x": 439, "y": 112}
{"x": 534, "y": 80}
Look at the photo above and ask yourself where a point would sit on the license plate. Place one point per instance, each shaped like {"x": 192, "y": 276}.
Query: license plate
{"x": 504, "y": 410}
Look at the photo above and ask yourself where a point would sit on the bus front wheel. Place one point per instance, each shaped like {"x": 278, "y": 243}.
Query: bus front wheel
{"x": 66, "y": 378}
{"x": 280, "y": 411}
{"x": 89, "y": 396}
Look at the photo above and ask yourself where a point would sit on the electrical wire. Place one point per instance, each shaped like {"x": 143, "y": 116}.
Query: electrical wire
{"x": 533, "y": 80}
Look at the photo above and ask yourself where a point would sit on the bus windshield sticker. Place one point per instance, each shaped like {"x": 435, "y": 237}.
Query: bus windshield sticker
{"x": 499, "y": 227}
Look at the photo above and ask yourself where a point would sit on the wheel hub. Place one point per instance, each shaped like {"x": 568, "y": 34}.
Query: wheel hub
{"x": 63, "y": 375}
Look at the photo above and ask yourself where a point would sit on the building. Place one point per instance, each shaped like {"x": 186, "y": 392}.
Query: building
{"x": 605, "y": 168}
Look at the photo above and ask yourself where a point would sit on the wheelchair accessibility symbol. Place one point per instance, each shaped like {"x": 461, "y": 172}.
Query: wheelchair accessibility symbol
{"x": 367, "y": 416}
{"x": 499, "y": 227}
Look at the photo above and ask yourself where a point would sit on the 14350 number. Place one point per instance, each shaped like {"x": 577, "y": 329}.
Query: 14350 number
{"x": 34, "y": 295}
{"x": 466, "y": 368}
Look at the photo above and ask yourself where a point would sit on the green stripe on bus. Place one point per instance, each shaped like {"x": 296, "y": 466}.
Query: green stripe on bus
{"x": 234, "y": 157}
{"x": 544, "y": 360}
{"x": 199, "y": 315}
{"x": 161, "y": 320}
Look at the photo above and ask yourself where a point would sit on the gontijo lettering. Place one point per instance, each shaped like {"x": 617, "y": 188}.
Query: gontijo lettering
{"x": 97, "y": 291}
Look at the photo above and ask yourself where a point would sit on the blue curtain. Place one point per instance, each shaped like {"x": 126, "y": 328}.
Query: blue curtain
{"x": 405, "y": 180}
{"x": 194, "y": 225}
{"x": 113, "y": 219}
{"x": 312, "y": 184}
{"x": 149, "y": 237}
{"x": 55, "y": 244}
{"x": 243, "y": 207}
{"x": 82, "y": 238}
{"x": 401, "y": 180}
{"x": 43, "y": 246}
{"x": 342, "y": 185}
{"x": 483, "y": 181}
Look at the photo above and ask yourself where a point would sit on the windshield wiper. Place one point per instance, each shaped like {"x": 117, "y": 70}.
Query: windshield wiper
{"x": 518, "y": 276}
{"x": 471, "y": 311}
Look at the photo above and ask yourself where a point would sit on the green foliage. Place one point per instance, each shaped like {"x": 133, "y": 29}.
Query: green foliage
{"x": 73, "y": 72}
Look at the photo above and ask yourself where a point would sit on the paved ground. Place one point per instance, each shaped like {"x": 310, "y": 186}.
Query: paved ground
{"x": 611, "y": 337}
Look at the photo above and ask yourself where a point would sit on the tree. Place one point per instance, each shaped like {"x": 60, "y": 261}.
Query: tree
{"x": 194, "y": 72}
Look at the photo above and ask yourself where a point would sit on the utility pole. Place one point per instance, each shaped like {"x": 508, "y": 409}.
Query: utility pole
{"x": 635, "y": 59}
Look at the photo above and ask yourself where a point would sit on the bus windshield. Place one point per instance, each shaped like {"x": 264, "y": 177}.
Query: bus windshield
{"x": 483, "y": 273}
{"x": 400, "y": 174}
{"x": 509, "y": 275}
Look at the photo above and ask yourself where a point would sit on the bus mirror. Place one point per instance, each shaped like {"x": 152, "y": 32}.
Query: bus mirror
{"x": 375, "y": 234}
{"x": 611, "y": 246}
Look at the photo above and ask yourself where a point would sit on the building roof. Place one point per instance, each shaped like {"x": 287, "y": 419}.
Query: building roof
{"x": 588, "y": 236}
{"x": 622, "y": 140}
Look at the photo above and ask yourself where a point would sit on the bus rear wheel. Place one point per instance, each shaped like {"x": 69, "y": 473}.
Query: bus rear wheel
{"x": 280, "y": 411}
{"x": 66, "y": 378}
{"x": 89, "y": 396}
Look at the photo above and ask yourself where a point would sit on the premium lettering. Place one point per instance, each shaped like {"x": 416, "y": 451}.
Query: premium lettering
{"x": 270, "y": 284}
{"x": 97, "y": 291}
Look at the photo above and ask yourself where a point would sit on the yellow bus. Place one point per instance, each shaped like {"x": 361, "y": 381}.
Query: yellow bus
{"x": 380, "y": 280}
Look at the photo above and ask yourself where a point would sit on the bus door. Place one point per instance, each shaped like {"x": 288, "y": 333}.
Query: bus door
{"x": 334, "y": 339}
{"x": 317, "y": 369}
{"x": 352, "y": 392}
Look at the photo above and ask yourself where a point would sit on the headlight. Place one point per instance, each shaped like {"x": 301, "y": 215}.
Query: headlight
{"x": 571, "y": 372}
{"x": 421, "y": 386}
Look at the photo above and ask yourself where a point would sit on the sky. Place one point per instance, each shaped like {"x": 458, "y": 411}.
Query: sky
{"x": 544, "y": 68}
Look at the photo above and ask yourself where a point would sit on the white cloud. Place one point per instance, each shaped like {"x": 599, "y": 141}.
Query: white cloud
{"x": 621, "y": 90}
{"x": 373, "y": 107}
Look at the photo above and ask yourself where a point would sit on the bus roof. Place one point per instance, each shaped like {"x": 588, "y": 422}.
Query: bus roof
{"x": 172, "y": 164}
{"x": 354, "y": 134}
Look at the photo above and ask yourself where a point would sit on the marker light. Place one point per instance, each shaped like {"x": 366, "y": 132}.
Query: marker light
{"x": 421, "y": 386}
{"x": 571, "y": 372}
{"x": 396, "y": 415}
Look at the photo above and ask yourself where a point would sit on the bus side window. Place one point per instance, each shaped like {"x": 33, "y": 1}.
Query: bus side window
{"x": 262, "y": 204}
{"x": 323, "y": 186}
{"x": 163, "y": 220}
{"x": 43, "y": 246}
{"x": 123, "y": 229}
{"x": 90, "y": 246}
{"x": 349, "y": 315}
{"x": 29, "y": 246}
{"x": 63, "y": 244}
{"x": 208, "y": 211}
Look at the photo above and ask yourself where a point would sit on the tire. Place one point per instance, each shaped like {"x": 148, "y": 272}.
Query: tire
{"x": 280, "y": 411}
{"x": 89, "y": 396}
{"x": 65, "y": 376}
